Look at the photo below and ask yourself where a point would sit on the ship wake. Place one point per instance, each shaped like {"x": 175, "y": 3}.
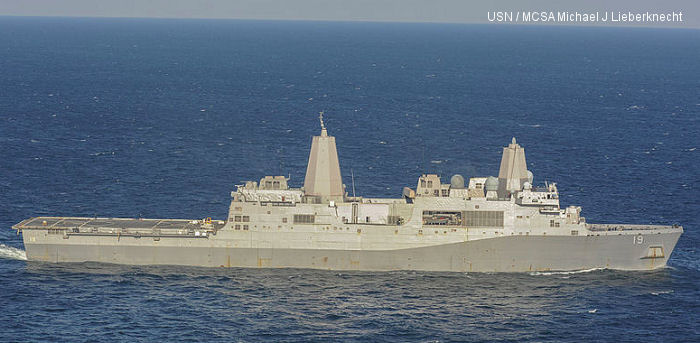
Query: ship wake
{"x": 11, "y": 253}
{"x": 567, "y": 272}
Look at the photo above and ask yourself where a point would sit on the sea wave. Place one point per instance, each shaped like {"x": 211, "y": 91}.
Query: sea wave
{"x": 12, "y": 253}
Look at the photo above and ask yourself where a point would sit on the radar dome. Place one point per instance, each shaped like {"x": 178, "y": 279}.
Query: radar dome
{"x": 491, "y": 184}
{"x": 530, "y": 177}
{"x": 457, "y": 181}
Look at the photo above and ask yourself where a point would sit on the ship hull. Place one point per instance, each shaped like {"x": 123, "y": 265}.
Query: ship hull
{"x": 501, "y": 254}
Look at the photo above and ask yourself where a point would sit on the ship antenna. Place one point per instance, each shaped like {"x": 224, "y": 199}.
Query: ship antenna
{"x": 324, "y": 133}
{"x": 352, "y": 175}
{"x": 280, "y": 153}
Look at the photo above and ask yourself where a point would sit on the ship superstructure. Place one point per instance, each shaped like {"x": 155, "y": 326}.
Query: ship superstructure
{"x": 500, "y": 224}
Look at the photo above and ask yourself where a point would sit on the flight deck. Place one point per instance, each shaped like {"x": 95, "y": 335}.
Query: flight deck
{"x": 122, "y": 226}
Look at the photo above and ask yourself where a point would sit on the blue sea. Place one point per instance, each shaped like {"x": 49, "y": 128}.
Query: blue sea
{"x": 162, "y": 118}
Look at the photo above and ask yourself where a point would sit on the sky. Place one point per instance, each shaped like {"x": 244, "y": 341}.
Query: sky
{"x": 447, "y": 11}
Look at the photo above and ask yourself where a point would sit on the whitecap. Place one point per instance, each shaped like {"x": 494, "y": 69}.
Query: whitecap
{"x": 662, "y": 292}
{"x": 593, "y": 310}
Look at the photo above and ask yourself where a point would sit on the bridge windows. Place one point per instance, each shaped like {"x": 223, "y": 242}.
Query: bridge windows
{"x": 270, "y": 184}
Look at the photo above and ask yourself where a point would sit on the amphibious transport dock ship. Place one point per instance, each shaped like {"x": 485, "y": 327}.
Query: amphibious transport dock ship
{"x": 489, "y": 224}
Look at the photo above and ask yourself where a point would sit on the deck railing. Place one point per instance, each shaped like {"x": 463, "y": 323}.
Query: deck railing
{"x": 627, "y": 227}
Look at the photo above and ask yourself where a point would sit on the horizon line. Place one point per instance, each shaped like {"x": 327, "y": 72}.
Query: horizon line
{"x": 555, "y": 25}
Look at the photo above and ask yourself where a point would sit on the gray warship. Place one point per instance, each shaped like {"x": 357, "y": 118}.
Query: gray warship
{"x": 480, "y": 224}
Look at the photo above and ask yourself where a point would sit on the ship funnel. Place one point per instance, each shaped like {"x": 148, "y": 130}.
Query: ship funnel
{"x": 513, "y": 173}
{"x": 323, "y": 182}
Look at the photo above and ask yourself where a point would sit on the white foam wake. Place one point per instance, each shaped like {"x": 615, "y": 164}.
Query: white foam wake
{"x": 12, "y": 253}
{"x": 568, "y": 272}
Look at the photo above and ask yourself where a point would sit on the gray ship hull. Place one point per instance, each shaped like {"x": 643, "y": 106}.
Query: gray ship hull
{"x": 502, "y": 254}
{"x": 489, "y": 224}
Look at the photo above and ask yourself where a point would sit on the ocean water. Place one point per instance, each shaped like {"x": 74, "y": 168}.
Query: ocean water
{"x": 161, "y": 118}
